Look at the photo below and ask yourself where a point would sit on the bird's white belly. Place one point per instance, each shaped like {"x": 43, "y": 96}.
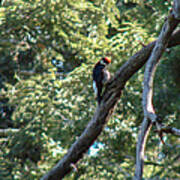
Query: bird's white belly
{"x": 95, "y": 88}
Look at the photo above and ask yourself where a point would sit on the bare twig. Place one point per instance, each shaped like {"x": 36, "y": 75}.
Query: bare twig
{"x": 31, "y": 73}
{"x": 6, "y": 132}
{"x": 149, "y": 112}
{"x": 170, "y": 130}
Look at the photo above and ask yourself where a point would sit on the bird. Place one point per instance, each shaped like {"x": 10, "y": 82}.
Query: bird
{"x": 100, "y": 77}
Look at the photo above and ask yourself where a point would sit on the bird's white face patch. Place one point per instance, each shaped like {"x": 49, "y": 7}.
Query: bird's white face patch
{"x": 103, "y": 63}
{"x": 95, "y": 88}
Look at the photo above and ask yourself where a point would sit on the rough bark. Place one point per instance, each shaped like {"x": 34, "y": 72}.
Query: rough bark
{"x": 151, "y": 66}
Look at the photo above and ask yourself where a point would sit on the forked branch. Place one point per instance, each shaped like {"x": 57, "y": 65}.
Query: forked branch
{"x": 150, "y": 116}
{"x": 104, "y": 111}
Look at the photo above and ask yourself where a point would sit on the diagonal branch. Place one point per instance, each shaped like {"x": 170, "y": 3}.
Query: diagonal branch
{"x": 151, "y": 66}
{"x": 104, "y": 111}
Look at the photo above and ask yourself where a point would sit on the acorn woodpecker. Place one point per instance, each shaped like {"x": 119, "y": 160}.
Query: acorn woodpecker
{"x": 100, "y": 77}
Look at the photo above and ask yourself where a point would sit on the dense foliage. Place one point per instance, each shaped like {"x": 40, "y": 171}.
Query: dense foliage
{"x": 51, "y": 104}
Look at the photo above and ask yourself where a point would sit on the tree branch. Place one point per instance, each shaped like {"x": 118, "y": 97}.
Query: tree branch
{"x": 170, "y": 130}
{"x": 176, "y": 9}
{"x": 152, "y": 64}
{"x": 149, "y": 112}
{"x": 104, "y": 111}
{"x": 6, "y": 132}
{"x": 140, "y": 149}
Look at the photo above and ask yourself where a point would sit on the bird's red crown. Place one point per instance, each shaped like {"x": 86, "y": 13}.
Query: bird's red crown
{"x": 107, "y": 60}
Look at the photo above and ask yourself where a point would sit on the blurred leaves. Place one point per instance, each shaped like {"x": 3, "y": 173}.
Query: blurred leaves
{"x": 51, "y": 106}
